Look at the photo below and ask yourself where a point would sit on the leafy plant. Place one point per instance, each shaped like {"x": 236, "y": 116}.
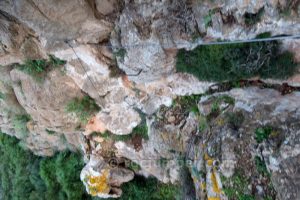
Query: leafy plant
{"x": 26, "y": 176}
{"x": 215, "y": 108}
{"x": 232, "y": 62}
{"x": 140, "y": 130}
{"x": 61, "y": 176}
{"x": 208, "y": 18}
{"x": 262, "y": 133}
{"x": 39, "y": 68}
{"x": 261, "y": 166}
{"x": 264, "y": 35}
{"x": 189, "y": 103}
{"x": 133, "y": 166}
{"x": 56, "y": 61}
{"x": 120, "y": 53}
{"x": 83, "y": 108}
{"x": 253, "y": 18}
{"x": 50, "y": 132}
{"x": 203, "y": 125}
{"x": 236, "y": 187}
{"x": 148, "y": 189}
{"x": 2, "y": 96}
{"x": 234, "y": 119}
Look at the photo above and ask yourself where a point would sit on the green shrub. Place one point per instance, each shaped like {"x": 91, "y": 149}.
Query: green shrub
{"x": 188, "y": 103}
{"x": 50, "y": 132}
{"x": 140, "y": 130}
{"x": 120, "y": 53}
{"x": 215, "y": 108}
{"x": 133, "y": 166}
{"x": 83, "y": 108}
{"x": 231, "y": 62}
{"x": 262, "y": 133}
{"x": 261, "y": 167}
{"x": 25, "y": 176}
{"x": 148, "y": 189}
{"x": 19, "y": 178}
{"x": 61, "y": 176}
{"x": 236, "y": 187}
{"x": 203, "y": 124}
{"x": 234, "y": 119}
{"x": 39, "y": 68}
{"x": 264, "y": 35}
{"x": 253, "y": 18}
{"x": 2, "y": 96}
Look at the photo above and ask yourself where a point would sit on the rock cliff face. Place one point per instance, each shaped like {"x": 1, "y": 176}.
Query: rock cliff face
{"x": 122, "y": 53}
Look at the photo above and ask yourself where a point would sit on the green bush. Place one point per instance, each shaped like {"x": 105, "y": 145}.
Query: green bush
{"x": 61, "y": 176}
{"x": 83, "y": 108}
{"x": 140, "y": 130}
{"x": 234, "y": 119}
{"x": 231, "y": 62}
{"x": 236, "y": 187}
{"x": 262, "y": 133}
{"x": 18, "y": 172}
{"x": 25, "y": 176}
{"x": 2, "y": 96}
{"x": 148, "y": 189}
{"x": 50, "y": 132}
{"x": 188, "y": 103}
{"x": 253, "y": 18}
{"x": 39, "y": 68}
{"x": 261, "y": 167}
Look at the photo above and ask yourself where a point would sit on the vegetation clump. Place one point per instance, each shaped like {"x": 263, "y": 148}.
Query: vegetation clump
{"x": 189, "y": 103}
{"x": 2, "y": 96}
{"x": 26, "y": 176}
{"x": 231, "y": 62}
{"x": 83, "y": 108}
{"x": 262, "y": 133}
{"x": 140, "y": 131}
{"x": 236, "y": 187}
{"x": 253, "y": 18}
{"x": 39, "y": 68}
{"x": 261, "y": 167}
{"x": 234, "y": 119}
{"x": 148, "y": 189}
{"x": 50, "y": 132}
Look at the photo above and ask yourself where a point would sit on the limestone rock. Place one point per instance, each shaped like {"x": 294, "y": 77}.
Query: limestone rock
{"x": 17, "y": 42}
{"x": 235, "y": 147}
{"x": 119, "y": 119}
{"x": 46, "y": 102}
{"x": 59, "y": 20}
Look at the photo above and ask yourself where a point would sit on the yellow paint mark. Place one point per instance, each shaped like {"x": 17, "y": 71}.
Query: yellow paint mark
{"x": 206, "y": 157}
{"x": 203, "y": 186}
{"x": 98, "y": 184}
{"x": 274, "y": 133}
{"x": 210, "y": 162}
{"x": 220, "y": 122}
{"x": 215, "y": 185}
